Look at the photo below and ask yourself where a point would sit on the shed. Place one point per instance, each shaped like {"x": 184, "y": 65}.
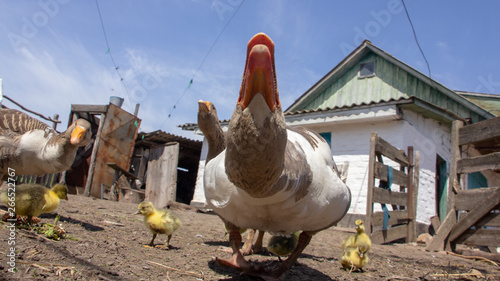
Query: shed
{"x": 168, "y": 165}
{"x": 372, "y": 91}
{"x": 114, "y": 134}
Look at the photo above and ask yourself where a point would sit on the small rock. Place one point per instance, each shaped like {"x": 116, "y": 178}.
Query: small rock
{"x": 424, "y": 238}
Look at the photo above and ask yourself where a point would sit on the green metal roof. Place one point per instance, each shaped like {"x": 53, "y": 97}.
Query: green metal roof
{"x": 489, "y": 102}
{"x": 392, "y": 80}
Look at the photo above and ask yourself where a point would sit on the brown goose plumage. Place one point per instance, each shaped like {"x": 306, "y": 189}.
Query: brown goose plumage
{"x": 270, "y": 177}
{"x": 31, "y": 147}
{"x": 208, "y": 122}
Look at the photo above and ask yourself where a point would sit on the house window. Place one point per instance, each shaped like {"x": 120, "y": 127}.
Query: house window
{"x": 327, "y": 137}
{"x": 367, "y": 69}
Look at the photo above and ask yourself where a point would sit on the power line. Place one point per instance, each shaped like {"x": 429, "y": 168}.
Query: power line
{"x": 425, "y": 59}
{"x": 206, "y": 56}
{"x": 108, "y": 51}
{"x": 418, "y": 45}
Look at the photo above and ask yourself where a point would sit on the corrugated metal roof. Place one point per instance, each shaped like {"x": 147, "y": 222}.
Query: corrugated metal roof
{"x": 159, "y": 137}
{"x": 393, "y": 79}
{"x": 489, "y": 102}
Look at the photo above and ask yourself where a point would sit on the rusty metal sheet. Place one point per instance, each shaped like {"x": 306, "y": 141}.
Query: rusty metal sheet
{"x": 116, "y": 145}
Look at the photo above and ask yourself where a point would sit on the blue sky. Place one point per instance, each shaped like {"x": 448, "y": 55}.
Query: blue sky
{"x": 53, "y": 52}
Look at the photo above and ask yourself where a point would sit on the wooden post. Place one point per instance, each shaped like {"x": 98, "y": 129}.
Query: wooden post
{"x": 136, "y": 109}
{"x": 410, "y": 207}
{"x": 371, "y": 183}
{"x": 54, "y": 124}
{"x": 88, "y": 185}
{"x": 416, "y": 180}
{"x": 453, "y": 183}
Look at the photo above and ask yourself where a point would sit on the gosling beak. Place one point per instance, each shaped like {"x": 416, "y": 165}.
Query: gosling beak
{"x": 138, "y": 212}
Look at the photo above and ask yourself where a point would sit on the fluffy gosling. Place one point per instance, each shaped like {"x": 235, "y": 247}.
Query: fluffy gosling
{"x": 32, "y": 200}
{"x": 159, "y": 221}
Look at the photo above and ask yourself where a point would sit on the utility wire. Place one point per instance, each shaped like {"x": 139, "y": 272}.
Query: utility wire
{"x": 204, "y": 59}
{"x": 425, "y": 59}
{"x": 418, "y": 45}
{"x": 110, "y": 54}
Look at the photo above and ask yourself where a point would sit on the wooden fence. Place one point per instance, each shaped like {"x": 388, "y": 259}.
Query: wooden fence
{"x": 473, "y": 216}
{"x": 400, "y": 222}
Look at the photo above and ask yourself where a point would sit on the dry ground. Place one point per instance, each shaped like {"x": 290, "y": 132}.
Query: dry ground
{"x": 108, "y": 244}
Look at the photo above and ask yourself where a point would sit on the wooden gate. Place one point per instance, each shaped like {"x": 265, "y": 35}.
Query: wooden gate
{"x": 400, "y": 222}
{"x": 473, "y": 216}
{"x": 161, "y": 177}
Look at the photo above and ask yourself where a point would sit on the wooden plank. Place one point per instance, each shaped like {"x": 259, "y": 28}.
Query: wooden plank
{"x": 89, "y": 108}
{"x": 391, "y": 152}
{"x": 483, "y": 130}
{"x": 161, "y": 183}
{"x": 389, "y": 235}
{"x": 465, "y": 200}
{"x": 489, "y": 220}
{"x": 416, "y": 180}
{"x": 480, "y": 237}
{"x": 396, "y": 217}
{"x": 399, "y": 177}
{"x": 385, "y": 196}
{"x": 479, "y": 163}
{"x": 371, "y": 183}
{"x": 437, "y": 242}
{"x": 123, "y": 171}
{"x": 90, "y": 177}
{"x": 435, "y": 222}
{"x": 455, "y": 156}
{"x": 411, "y": 234}
{"x": 475, "y": 214}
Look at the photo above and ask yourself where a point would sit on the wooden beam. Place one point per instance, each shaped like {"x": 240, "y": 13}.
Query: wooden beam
{"x": 389, "y": 235}
{"x": 93, "y": 156}
{"x": 398, "y": 177}
{"x": 479, "y": 163}
{"x": 455, "y": 156}
{"x": 475, "y": 214}
{"x": 489, "y": 220}
{"x": 89, "y": 108}
{"x": 371, "y": 182}
{"x": 390, "y": 151}
{"x": 396, "y": 217}
{"x": 437, "y": 242}
{"x": 465, "y": 200}
{"x": 480, "y": 237}
{"x": 483, "y": 130}
{"x": 385, "y": 196}
{"x": 412, "y": 234}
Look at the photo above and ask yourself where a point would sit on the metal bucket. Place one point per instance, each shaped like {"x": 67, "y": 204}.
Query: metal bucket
{"x": 116, "y": 101}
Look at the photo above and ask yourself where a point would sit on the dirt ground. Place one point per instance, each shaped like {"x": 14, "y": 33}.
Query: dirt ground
{"x": 106, "y": 242}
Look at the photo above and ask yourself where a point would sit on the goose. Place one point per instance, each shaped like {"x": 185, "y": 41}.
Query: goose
{"x": 208, "y": 122}
{"x": 30, "y": 147}
{"x": 271, "y": 177}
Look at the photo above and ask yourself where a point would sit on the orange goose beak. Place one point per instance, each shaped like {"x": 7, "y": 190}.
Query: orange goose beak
{"x": 259, "y": 75}
{"x": 77, "y": 135}
{"x": 204, "y": 106}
